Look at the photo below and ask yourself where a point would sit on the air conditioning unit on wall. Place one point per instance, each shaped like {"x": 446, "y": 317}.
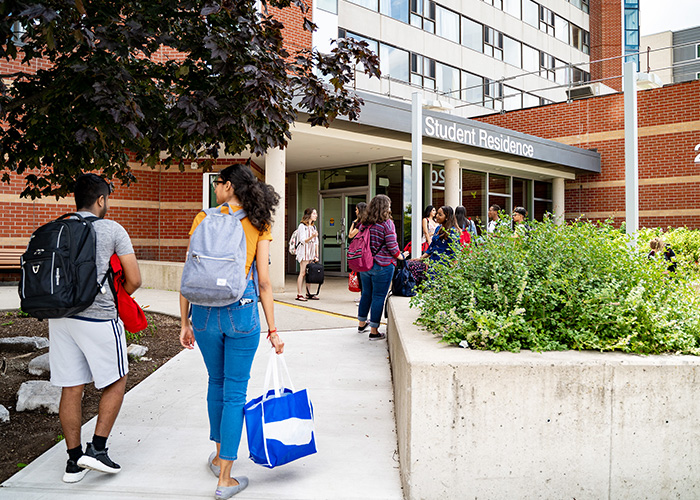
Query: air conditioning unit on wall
{"x": 588, "y": 90}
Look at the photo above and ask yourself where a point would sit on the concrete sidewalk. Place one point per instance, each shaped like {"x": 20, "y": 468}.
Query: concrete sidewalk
{"x": 161, "y": 435}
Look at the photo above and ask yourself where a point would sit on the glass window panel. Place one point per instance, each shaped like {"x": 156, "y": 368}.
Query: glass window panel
{"x": 429, "y": 67}
{"x": 562, "y": 72}
{"x": 416, "y": 79}
{"x": 373, "y": 45}
{"x": 512, "y": 51}
{"x": 472, "y": 34}
{"x": 472, "y": 88}
{"x": 417, "y": 6}
{"x": 631, "y": 19}
{"x": 416, "y": 21}
{"x": 447, "y": 79}
{"x": 328, "y": 5}
{"x": 561, "y": 29}
{"x": 531, "y": 58}
{"x": 513, "y": 99}
{"x": 344, "y": 177}
{"x": 428, "y": 26}
{"x": 503, "y": 202}
{"x": 632, "y": 38}
{"x": 447, "y": 24}
{"x": 512, "y": 7}
{"x": 531, "y": 13}
{"x": 398, "y": 9}
{"x": 530, "y": 101}
{"x": 542, "y": 208}
{"x": 307, "y": 192}
{"x": 393, "y": 62}
{"x": 543, "y": 190}
{"x": 575, "y": 3}
{"x": 474, "y": 195}
{"x": 369, "y": 4}
{"x": 429, "y": 83}
{"x": 499, "y": 184}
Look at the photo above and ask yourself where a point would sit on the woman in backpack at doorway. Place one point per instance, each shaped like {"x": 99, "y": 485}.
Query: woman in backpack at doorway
{"x": 354, "y": 229}
{"x": 228, "y": 336}
{"x": 385, "y": 252}
{"x": 307, "y": 250}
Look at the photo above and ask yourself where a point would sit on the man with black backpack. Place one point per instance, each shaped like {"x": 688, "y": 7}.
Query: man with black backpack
{"x": 90, "y": 345}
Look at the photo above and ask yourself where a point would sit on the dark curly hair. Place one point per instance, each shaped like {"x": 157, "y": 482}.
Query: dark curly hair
{"x": 258, "y": 199}
{"x": 448, "y": 227}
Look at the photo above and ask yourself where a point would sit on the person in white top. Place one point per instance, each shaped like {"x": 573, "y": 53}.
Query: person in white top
{"x": 429, "y": 226}
{"x": 493, "y": 218}
{"x": 307, "y": 250}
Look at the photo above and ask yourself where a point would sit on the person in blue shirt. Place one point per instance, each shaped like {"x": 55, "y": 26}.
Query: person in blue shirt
{"x": 446, "y": 234}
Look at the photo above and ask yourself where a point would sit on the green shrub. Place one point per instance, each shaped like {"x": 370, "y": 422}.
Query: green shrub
{"x": 575, "y": 286}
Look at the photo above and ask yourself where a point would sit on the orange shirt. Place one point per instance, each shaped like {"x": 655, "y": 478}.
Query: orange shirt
{"x": 252, "y": 235}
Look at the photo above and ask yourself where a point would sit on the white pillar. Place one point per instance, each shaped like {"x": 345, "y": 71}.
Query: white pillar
{"x": 631, "y": 153}
{"x": 416, "y": 173}
{"x": 558, "y": 200}
{"x": 452, "y": 198}
{"x": 275, "y": 169}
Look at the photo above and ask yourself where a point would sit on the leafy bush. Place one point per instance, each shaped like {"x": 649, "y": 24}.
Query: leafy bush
{"x": 575, "y": 286}
{"x": 685, "y": 243}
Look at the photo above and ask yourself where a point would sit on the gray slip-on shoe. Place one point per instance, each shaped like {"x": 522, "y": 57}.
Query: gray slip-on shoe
{"x": 224, "y": 492}
{"x": 215, "y": 469}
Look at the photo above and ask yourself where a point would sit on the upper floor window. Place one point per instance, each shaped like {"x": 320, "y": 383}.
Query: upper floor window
{"x": 512, "y": 51}
{"x": 397, "y": 9}
{"x": 496, "y": 3}
{"x": 393, "y": 62}
{"x": 513, "y": 99}
{"x": 423, "y": 15}
{"x": 531, "y": 13}
{"x": 446, "y": 23}
{"x": 447, "y": 79}
{"x": 493, "y": 43}
{"x": 369, "y": 4}
{"x": 697, "y": 51}
{"x": 561, "y": 28}
{"x": 472, "y": 34}
{"x": 547, "y": 65}
{"x": 580, "y": 39}
{"x": 546, "y": 20}
{"x": 531, "y": 59}
{"x": 422, "y": 71}
{"x": 512, "y": 7}
{"x": 493, "y": 93}
{"x": 472, "y": 88}
{"x": 328, "y": 5}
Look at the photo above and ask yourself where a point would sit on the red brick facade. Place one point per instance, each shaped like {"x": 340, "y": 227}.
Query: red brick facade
{"x": 669, "y": 132}
{"x": 606, "y": 41}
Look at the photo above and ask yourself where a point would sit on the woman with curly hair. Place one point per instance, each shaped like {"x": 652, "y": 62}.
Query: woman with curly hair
{"x": 446, "y": 233}
{"x": 385, "y": 252}
{"x": 228, "y": 336}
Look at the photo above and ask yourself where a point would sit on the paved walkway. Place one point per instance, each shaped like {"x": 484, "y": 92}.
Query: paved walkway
{"x": 161, "y": 435}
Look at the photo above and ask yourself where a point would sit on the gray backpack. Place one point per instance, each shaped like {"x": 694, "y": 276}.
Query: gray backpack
{"x": 214, "y": 272}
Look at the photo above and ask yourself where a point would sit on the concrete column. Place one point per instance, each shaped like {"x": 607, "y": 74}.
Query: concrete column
{"x": 558, "y": 200}
{"x": 452, "y": 197}
{"x": 275, "y": 169}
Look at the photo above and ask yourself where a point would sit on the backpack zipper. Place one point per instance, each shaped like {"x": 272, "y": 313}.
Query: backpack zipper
{"x": 197, "y": 257}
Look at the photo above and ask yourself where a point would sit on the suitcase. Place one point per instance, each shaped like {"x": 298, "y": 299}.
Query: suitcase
{"x": 314, "y": 275}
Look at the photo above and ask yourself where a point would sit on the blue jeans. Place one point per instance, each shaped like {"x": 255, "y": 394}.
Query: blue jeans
{"x": 228, "y": 337}
{"x": 375, "y": 286}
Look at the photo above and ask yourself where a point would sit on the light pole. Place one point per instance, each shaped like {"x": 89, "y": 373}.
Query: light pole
{"x": 631, "y": 151}
{"x": 416, "y": 173}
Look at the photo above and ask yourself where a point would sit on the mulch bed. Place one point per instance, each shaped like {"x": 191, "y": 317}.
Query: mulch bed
{"x": 29, "y": 434}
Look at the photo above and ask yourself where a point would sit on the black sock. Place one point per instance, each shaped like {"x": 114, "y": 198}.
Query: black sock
{"x": 99, "y": 442}
{"x": 75, "y": 453}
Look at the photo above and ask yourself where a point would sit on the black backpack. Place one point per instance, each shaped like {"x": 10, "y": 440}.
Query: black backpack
{"x": 403, "y": 284}
{"x": 314, "y": 274}
{"x": 59, "y": 271}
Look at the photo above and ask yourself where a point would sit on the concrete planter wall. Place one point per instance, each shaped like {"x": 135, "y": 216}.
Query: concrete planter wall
{"x": 161, "y": 275}
{"x": 583, "y": 425}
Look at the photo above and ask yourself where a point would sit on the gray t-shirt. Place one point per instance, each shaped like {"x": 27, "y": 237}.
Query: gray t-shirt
{"x": 111, "y": 238}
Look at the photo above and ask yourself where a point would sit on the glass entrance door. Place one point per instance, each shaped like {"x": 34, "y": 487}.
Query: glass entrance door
{"x": 337, "y": 213}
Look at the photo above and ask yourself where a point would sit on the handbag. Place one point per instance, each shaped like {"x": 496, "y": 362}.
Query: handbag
{"x": 280, "y": 423}
{"x": 354, "y": 282}
{"x": 128, "y": 310}
{"x": 314, "y": 274}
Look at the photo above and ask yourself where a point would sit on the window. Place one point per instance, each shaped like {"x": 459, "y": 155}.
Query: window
{"x": 531, "y": 13}
{"x": 368, "y": 4}
{"x": 423, "y": 15}
{"x": 446, "y": 23}
{"x": 530, "y": 101}
{"x": 447, "y": 79}
{"x": 496, "y": 3}
{"x": 546, "y": 20}
{"x": 547, "y": 65}
{"x": 393, "y": 62}
{"x": 493, "y": 92}
{"x": 580, "y": 38}
{"x": 328, "y": 5}
{"x": 584, "y": 6}
{"x": 579, "y": 76}
{"x": 373, "y": 45}
{"x": 561, "y": 29}
{"x": 531, "y": 59}
{"x": 397, "y": 9}
{"x": 472, "y": 88}
{"x": 562, "y": 72}
{"x": 697, "y": 51}
{"x": 493, "y": 43}
{"x": 542, "y": 199}
{"x": 513, "y": 98}
{"x": 422, "y": 71}
{"x": 512, "y": 7}
{"x": 512, "y": 51}
{"x": 472, "y": 34}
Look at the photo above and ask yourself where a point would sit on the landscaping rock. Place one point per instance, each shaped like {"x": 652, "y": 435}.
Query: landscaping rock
{"x": 4, "y": 415}
{"x": 37, "y": 394}
{"x": 40, "y": 365}
{"x": 136, "y": 351}
{"x": 24, "y": 343}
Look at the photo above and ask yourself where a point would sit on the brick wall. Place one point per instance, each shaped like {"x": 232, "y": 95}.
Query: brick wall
{"x": 669, "y": 130}
{"x": 606, "y": 41}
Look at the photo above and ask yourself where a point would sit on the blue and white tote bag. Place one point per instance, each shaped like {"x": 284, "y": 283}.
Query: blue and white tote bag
{"x": 280, "y": 423}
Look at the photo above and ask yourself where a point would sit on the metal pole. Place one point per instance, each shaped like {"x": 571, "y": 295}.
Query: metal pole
{"x": 416, "y": 173}
{"x": 631, "y": 150}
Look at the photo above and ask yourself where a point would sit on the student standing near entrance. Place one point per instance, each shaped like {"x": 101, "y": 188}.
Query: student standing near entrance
{"x": 354, "y": 229}
{"x": 385, "y": 251}
{"x": 228, "y": 336}
{"x": 307, "y": 251}
{"x": 91, "y": 346}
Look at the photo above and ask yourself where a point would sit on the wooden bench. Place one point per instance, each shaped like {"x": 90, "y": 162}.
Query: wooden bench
{"x": 9, "y": 257}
